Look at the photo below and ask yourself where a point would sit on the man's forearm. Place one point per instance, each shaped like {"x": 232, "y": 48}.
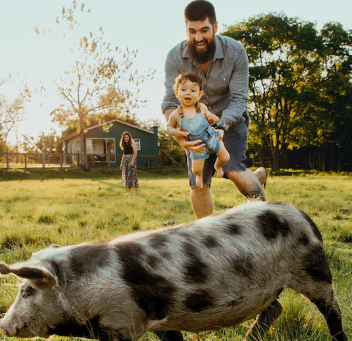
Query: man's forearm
{"x": 224, "y": 124}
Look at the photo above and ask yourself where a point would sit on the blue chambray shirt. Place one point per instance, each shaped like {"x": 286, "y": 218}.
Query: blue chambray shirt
{"x": 226, "y": 83}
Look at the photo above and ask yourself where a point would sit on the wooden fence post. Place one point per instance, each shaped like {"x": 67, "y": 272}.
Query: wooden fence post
{"x": 7, "y": 159}
{"x": 108, "y": 158}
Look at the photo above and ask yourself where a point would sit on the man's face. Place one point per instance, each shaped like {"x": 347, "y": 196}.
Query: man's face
{"x": 201, "y": 39}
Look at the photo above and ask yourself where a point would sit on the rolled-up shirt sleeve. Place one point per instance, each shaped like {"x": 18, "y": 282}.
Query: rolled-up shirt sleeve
{"x": 171, "y": 72}
{"x": 238, "y": 89}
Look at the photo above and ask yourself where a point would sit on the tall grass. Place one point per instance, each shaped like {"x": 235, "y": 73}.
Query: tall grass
{"x": 63, "y": 207}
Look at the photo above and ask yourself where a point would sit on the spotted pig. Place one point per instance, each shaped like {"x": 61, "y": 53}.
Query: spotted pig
{"x": 213, "y": 273}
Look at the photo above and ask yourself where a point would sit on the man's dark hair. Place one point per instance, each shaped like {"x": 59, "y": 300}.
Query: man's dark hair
{"x": 200, "y": 10}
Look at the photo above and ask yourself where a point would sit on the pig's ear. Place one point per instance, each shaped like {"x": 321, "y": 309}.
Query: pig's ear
{"x": 37, "y": 275}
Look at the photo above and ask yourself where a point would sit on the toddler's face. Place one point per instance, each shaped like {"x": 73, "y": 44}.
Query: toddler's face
{"x": 188, "y": 93}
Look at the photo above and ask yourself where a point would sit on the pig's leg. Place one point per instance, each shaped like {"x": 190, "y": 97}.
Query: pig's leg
{"x": 332, "y": 315}
{"x": 170, "y": 335}
{"x": 264, "y": 321}
{"x": 319, "y": 290}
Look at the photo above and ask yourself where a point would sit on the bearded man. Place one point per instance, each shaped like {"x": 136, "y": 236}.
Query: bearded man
{"x": 222, "y": 63}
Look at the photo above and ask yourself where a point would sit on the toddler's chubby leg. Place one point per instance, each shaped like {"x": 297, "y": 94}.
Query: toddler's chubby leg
{"x": 197, "y": 169}
{"x": 222, "y": 157}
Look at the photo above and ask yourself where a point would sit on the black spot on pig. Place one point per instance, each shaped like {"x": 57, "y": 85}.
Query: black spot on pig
{"x": 72, "y": 328}
{"x": 153, "y": 261}
{"x": 85, "y": 259}
{"x": 243, "y": 266}
{"x": 90, "y": 330}
{"x": 199, "y": 300}
{"x": 210, "y": 241}
{"x": 194, "y": 269}
{"x": 312, "y": 224}
{"x": 271, "y": 225}
{"x": 152, "y": 292}
{"x": 303, "y": 239}
{"x": 158, "y": 241}
{"x": 316, "y": 264}
{"x": 232, "y": 228}
{"x": 166, "y": 255}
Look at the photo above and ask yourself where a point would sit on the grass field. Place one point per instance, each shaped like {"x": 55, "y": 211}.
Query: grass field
{"x": 43, "y": 207}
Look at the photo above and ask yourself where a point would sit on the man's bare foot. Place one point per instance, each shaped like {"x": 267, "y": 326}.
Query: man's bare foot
{"x": 199, "y": 181}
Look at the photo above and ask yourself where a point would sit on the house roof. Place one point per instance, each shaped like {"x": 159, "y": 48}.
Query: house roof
{"x": 70, "y": 136}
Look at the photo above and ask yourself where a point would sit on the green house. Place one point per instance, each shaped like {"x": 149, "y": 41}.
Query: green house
{"x": 103, "y": 148}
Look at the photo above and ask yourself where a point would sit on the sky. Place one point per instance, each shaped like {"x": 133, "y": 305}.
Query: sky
{"x": 151, "y": 27}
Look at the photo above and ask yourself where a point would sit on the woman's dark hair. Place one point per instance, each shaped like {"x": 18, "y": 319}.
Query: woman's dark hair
{"x": 200, "y": 10}
{"x": 188, "y": 76}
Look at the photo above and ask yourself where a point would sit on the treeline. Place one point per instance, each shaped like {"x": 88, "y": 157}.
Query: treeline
{"x": 300, "y": 92}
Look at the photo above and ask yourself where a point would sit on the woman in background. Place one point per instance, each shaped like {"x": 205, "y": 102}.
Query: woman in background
{"x": 129, "y": 162}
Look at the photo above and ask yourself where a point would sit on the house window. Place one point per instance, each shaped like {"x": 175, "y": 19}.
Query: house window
{"x": 138, "y": 143}
{"x": 101, "y": 148}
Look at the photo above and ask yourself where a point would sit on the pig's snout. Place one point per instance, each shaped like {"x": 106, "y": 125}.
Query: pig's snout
{"x": 11, "y": 329}
{"x": 6, "y": 330}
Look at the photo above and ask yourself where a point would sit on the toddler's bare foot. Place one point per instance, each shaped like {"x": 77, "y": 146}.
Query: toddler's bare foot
{"x": 199, "y": 181}
{"x": 219, "y": 172}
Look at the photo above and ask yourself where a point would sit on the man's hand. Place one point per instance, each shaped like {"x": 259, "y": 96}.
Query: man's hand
{"x": 197, "y": 146}
{"x": 181, "y": 137}
{"x": 179, "y": 134}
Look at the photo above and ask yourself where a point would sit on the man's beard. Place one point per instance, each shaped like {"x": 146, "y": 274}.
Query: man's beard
{"x": 201, "y": 57}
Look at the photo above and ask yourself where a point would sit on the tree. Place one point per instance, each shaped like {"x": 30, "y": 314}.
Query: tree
{"x": 44, "y": 143}
{"x": 102, "y": 117}
{"x": 101, "y": 79}
{"x": 11, "y": 113}
{"x": 3, "y": 144}
{"x": 337, "y": 86}
{"x": 288, "y": 80}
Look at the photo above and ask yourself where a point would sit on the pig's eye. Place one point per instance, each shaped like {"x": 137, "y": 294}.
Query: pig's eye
{"x": 27, "y": 291}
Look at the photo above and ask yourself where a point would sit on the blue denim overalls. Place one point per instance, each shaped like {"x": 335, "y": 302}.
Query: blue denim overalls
{"x": 199, "y": 129}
